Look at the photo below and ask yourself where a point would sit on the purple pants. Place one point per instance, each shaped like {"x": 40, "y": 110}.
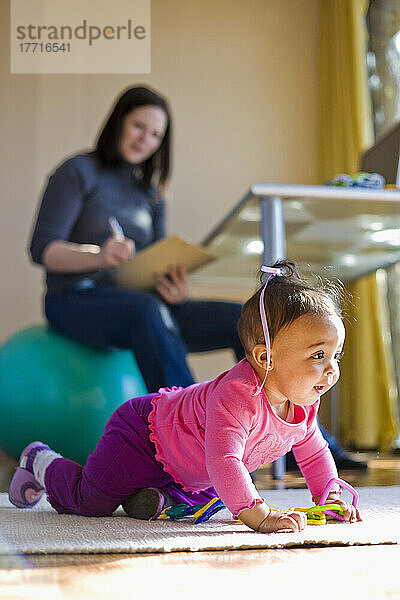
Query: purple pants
{"x": 122, "y": 463}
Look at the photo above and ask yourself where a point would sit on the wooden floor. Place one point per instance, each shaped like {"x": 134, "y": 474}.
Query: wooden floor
{"x": 356, "y": 573}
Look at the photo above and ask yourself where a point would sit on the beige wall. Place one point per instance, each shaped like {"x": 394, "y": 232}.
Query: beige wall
{"x": 241, "y": 77}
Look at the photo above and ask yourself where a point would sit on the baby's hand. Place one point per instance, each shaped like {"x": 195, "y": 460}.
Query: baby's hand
{"x": 351, "y": 514}
{"x": 283, "y": 520}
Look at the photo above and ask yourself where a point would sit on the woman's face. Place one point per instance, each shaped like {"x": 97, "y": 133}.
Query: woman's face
{"x": 143, "y": 130}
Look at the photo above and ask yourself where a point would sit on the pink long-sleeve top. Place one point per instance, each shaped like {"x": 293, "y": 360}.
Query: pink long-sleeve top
{"x": 214, "y": 433}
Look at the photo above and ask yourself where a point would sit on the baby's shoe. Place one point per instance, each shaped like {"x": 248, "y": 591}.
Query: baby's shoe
{"x": 25, "y": 491}
{"x": 147, "y": 503}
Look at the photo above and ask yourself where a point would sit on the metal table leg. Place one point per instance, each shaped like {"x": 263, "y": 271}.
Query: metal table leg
{"x": 273, "y": 236}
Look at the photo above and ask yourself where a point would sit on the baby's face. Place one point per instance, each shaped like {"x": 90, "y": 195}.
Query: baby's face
{"x": 305, "y": 357}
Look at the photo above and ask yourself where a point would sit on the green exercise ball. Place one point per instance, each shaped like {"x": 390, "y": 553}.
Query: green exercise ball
{"x": 60, "y": 392}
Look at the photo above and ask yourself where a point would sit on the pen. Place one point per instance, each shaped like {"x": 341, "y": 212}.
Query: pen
{"x": 116, "y": 229}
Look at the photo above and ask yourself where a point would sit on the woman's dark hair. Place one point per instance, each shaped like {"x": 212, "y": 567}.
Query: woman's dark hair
{"x": 154, "y": 170}
{"x": 287, "y": 297}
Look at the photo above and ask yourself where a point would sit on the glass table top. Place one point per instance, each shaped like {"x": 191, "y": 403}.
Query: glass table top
{"x": 332, "y": 232}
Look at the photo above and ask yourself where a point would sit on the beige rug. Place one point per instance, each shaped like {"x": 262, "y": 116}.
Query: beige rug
{"x": 42, "y": 531}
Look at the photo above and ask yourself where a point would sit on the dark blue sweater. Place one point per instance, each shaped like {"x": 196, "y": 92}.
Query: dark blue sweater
{"x": 80, "y": 197}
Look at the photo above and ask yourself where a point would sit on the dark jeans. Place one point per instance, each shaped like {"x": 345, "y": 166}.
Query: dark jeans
{"x": 160, "y": 335}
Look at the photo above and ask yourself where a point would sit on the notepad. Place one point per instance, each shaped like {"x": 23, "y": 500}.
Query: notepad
{"x": 139, "y": 272}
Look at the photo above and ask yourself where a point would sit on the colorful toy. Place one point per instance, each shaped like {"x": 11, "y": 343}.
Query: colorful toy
{"x": 330, "y": 485}
{"x": 316, "y": 515}
{"x": 200, "y": 512}
{"x": 364, "y": 180}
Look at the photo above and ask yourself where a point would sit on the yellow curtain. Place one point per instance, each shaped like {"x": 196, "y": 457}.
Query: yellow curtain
{"x": 368, "y": 392}
{"x": 345, "y": 107}
{"x": 368, "y": 405}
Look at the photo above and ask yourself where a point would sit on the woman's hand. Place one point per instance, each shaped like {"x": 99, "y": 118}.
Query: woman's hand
{"x": 283, "y": 520}
{"x": 115, "y": 251}
{"x": 173, "y": 285}
{"x": 350, "y": 513}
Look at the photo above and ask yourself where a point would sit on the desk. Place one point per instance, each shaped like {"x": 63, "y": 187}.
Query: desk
{"x": 329, "y": 231}
{"x": 334, "y": 232}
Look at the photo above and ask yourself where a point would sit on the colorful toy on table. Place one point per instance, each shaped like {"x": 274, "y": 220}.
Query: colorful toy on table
{"x": 364, "y": 180}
